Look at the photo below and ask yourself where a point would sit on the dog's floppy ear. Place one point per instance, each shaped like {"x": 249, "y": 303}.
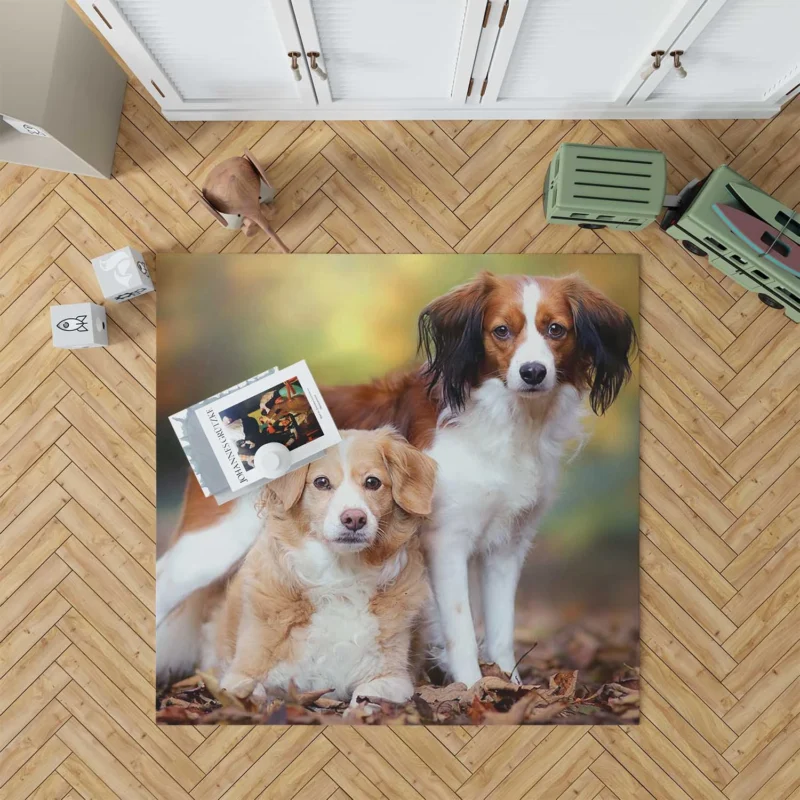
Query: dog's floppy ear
{"x": 413, "y": 474}
{"x": 606, "y": 342}
{"x": 288, "y": 488}
{"x": 451, "y": 336}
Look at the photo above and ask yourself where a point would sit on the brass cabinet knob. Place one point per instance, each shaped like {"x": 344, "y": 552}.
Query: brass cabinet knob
{"x": 657, "y": 55}
{"x": 295, "y": 66}
{"x": 315, "y": 68}
{"x": 676, "y": 60}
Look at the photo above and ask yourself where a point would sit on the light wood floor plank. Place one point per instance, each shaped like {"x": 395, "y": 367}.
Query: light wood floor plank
{"x": 94, "y": 502}
{"x": 402, "y": 180}
{"x": 437, "y": 143}
{"x": 84, "y": 782}
{"x": 34, "y": 736}
{"x": 221, "y": 776}
{"x": 684, "y": 556}
{"x": 139, "y": 744}
{"x": 105, "y": 767}
{"x": 358, "y": 172}
{"x": 81, "y": 597}
{"x": 159, "y": 131}
{"x": 682, "y": 735}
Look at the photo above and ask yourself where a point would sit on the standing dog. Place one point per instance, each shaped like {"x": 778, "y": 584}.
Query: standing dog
{"x": 509, "y": 361}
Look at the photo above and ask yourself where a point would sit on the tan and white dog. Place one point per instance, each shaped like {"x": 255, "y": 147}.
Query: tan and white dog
{"x": 329, "y": 594}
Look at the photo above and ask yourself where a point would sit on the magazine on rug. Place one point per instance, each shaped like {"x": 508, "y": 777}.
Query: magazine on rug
{"x": 282, "y": 407}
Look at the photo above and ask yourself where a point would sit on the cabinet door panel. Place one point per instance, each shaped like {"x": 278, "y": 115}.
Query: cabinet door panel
{"x": 578, "y": 50}
{"x": 382, "y": 51}
{"x": 225, "y": 55}
{"x": 746, "y": 52}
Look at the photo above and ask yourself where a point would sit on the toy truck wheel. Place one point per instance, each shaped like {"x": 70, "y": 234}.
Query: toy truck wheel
{"x": 693, "y": 248}
{"x": 592, "y": 226}
{"x": 769, "y": 301}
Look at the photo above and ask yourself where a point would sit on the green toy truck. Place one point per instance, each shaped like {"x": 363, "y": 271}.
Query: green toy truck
{"x": 702, "y": 232}
{"x": 597, "y": 187}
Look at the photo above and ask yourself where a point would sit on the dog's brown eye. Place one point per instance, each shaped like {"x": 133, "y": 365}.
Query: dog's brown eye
{"x": 502, "y": 332}
{"x": 372, "y": 482}
{"x": 555, "y": 330}
{"x": 322, "y": 482}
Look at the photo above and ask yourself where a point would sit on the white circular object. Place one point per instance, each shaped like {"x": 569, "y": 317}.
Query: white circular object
{"x": 273, "y": 460}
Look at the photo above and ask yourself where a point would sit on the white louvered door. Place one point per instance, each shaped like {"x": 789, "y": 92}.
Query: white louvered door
{"x": 388, "y": 53}
{"x": 432, "y": 59}
{"x": 209, "y": 53}
{"x": 745, "y": 50}
{"x": 562, "y": 53}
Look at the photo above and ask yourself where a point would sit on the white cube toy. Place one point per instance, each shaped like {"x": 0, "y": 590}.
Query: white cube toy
{"x": 122, "y": 274}
{"x": 79, "y": 325}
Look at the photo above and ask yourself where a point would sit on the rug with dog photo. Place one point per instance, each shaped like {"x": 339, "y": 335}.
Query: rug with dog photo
{"x": 467, "y": 554}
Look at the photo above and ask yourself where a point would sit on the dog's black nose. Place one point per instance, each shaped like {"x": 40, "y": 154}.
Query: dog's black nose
{"x": 353, "y": 519}
{"x": 533, "y": 372}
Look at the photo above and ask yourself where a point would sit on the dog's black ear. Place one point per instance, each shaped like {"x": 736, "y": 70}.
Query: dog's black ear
{"x": 451, "y": 336}
{"x": 606, "y": 342}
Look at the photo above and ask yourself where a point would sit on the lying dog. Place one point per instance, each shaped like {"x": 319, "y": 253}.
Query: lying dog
{"x": 330, "y": 592}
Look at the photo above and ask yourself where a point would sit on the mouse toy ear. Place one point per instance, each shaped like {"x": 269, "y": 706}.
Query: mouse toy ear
{"x": 213, "y": 211}
{"x": 256, "y": 166}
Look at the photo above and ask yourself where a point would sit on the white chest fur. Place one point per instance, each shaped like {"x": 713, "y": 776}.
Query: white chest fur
{"x": 499, "y": 463}
{"x": 339, "y": 648}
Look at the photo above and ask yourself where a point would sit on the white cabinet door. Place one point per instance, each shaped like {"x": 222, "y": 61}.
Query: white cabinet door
{"x": 735, "y": 51}
{"x": 409, "y": 54}
{"x": 577, "y": 53}
{"x": 207, "y": 54}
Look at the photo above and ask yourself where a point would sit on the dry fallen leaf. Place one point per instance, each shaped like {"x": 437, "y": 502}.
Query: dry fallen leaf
{"x": 492, "y": 670}
{"x": 328, "y": 702}
{"x": 490, "y": 683}
{"x": 542, "y": 715}
{"x": 476, "y": 710}
{"x": 176, "y": 715}
{"x": 455, "y": 692}
{"x": 563, "y": 684}
{"x": 629, "y": 699}
{"x": 177, "y": 701}
{"x": 293, "y": 696}
{"x": 223, "y": 697}
{"x": 514, "y": 716}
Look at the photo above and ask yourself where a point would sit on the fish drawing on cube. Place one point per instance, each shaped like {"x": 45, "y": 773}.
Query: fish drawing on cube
{"x": 122, "y": 275}
{"x": 79, "y": 325}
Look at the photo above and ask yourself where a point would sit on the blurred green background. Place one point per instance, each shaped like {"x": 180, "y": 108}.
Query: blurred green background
{"x": 222, "y": 319}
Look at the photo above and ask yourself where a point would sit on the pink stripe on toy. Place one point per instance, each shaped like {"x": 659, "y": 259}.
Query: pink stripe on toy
{"x": 764, "y": 239}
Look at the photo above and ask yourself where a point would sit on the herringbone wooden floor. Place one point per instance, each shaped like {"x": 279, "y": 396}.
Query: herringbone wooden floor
{"x": 720, "y": 547}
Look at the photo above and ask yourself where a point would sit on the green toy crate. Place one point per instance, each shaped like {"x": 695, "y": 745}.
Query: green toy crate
{"x": 701, "y": 231}
{"x": 598, "y": 187}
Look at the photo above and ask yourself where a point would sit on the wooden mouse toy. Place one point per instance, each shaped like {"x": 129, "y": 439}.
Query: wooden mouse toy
{"x": 233, "y": 188}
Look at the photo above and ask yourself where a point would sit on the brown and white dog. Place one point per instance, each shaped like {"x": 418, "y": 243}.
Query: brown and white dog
{"x": 509, "y": 361}
{"x": 329, "y": 594}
